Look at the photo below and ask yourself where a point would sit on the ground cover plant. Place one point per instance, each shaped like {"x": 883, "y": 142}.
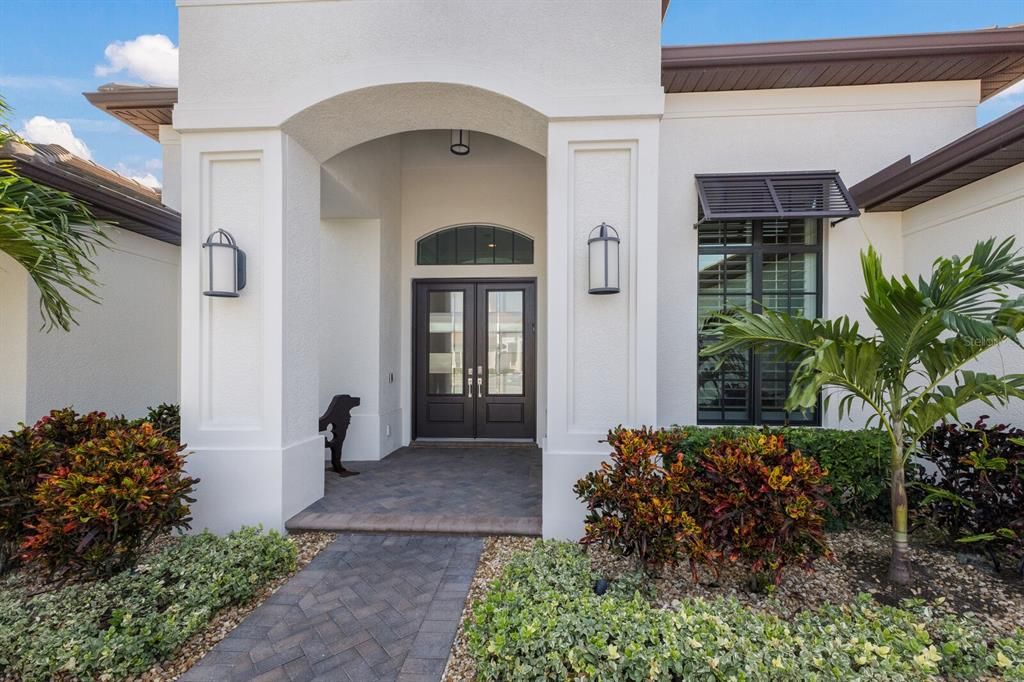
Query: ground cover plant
{"x": 910, "y": 373}
{"x": 542, "y": 619}
{"x": 120, "y": 626}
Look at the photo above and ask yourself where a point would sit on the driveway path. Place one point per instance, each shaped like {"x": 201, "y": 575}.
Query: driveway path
{"x": 368, "y": 607}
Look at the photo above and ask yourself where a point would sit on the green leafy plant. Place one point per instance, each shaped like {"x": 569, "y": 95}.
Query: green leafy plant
{"x": 540, "y": 620}
{"x": 855, "y": 461}
{"x": 636, "y": 505}
{"x": 121, "y": 626}
{"x": 975, "y": 494}
{"x": 911, "y": 373}
{"x": 27, "y": 456}
{"x": 114, "y": 495}
{"x": 761, "y": 504}
{"x": 50, "y": 234}
{"x": 166, "y": 419}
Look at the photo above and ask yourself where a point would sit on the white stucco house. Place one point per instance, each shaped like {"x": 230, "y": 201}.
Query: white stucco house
{"x": 451, "y": 291}
{"x": 122, "y": 356}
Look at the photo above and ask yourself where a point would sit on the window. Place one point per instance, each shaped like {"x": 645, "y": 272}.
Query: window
{"x": 474, "y": 245}
{"x": 754, "y": 264}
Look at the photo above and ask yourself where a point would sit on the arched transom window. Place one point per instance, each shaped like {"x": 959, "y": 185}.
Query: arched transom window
{"x": 474, "y": 245}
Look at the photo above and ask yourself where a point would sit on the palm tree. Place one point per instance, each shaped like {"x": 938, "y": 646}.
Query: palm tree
{"x": 49, "y": 233}
{"x": 910, "y": 373}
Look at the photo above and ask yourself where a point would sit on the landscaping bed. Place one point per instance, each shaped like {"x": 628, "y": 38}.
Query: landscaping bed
{"x": 151, "y": 622}
{"x": 963, "y": 598}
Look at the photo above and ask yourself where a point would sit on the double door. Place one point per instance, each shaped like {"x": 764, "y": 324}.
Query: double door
{"x": 475, "y": 359}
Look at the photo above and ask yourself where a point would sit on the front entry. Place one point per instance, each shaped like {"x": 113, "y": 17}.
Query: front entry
{"x": 475, "y": 358}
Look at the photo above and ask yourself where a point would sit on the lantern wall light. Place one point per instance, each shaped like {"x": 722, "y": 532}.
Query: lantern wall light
{"x": 225, "y": 274}
{"x": 603, "y": 248}
{"x": 460, "y": 142}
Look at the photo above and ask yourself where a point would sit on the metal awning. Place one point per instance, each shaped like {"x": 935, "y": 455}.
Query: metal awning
{"x": 752, "y": 196}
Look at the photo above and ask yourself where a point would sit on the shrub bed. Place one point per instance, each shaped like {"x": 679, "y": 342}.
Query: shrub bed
{"x": 87, "y": 493}
{"x": 122, "y": 625}
{"x": 975, "y": 493}
{"x": 856, "y": 461}
{"x": 541, "y": 619}
{"x": 750, "y": 500}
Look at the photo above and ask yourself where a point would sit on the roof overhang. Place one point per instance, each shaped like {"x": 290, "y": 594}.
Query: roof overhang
{"x": 794, "y": 194}
{"x": 989, "y": 149}
{"x": 993, "y": 56}
{"x": 143, "y": 107}
{"x": 110, "y": 197}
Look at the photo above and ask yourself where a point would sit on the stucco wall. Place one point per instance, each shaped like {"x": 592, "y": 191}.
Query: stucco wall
{"x": 951, "y": 225}
{"x": 855, "y": 130}
{"x": 359, "y": 300}
{"x": 549, "y": 54}
{"x": 13, "y": 341}
{"x": 391, "y": 192}
{"x": 123, "y": 355}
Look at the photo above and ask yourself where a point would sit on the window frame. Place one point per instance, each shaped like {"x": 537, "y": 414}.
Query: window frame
{"x": 454, "y": 230}
{"x": 757, "y": 249}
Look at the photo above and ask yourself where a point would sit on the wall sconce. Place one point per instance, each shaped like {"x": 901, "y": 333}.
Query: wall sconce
{"x": 225, "y": 265}
{"x": 460, "y": 142}
{"x": 603, "y": 248}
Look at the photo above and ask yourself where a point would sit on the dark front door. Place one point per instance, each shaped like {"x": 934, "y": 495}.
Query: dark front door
{"x": 475, "y": 358}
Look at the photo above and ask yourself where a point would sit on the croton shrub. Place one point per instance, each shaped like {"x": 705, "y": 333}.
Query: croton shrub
{"x": 751, "y": 501}
{"x": 761, "y": 504}
{"x": 88, "y": 492}
{"x": 975, "y": 486}
{"x": 109, "y": 501}
{"x": 856, "y": 462}
{"x": 638, "y": 505}
{"x": 27, "y": 455}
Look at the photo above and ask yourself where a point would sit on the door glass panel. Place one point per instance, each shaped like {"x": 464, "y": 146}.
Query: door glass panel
{"x": 445, "y": 343}
{"x": 505, "y": 341}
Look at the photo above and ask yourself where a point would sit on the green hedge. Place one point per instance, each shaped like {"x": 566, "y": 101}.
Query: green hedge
{"x": 542, "y": 620}
{"x": 857, "y": 463}
{"x": 121, "y": 626}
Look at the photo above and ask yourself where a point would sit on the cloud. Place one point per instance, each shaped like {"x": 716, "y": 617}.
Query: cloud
{"x": 150, "y": 58}
{"x": 143, "y": 175}
{"x": 43, "y": 130}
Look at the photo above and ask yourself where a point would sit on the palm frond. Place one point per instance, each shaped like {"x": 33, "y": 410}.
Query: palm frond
{"x": 52, "y": 235}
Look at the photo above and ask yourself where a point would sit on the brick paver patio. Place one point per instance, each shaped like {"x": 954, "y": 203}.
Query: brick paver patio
{"x": 368, "y": 607}
{"x": 482, "y": 490}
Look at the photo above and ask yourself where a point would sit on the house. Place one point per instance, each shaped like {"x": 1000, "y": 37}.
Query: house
{"x": 123, "y": 355}
{"x": 428, "y": 197}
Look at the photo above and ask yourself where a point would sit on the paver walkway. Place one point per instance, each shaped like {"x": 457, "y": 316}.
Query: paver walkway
{"x": 482, "y": 490}
{"x": 368, "y": 607}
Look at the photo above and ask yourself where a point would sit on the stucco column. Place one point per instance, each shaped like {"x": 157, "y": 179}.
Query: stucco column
{"x": 249, "y": 364}
{"x": 602, "y": 350}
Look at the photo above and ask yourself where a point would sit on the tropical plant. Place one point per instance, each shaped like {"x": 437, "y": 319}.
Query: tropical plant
{"x": 50, "y": 234}
{"x": 761, "y": 504}
{"x": 855, "y": 461}
{"x": 975, "y": 493}
{"x": 637, "y": 504}
{"x": 27, "y": 456}
{"x": 910, "y": 373}
{"x": 114, "y": 495}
